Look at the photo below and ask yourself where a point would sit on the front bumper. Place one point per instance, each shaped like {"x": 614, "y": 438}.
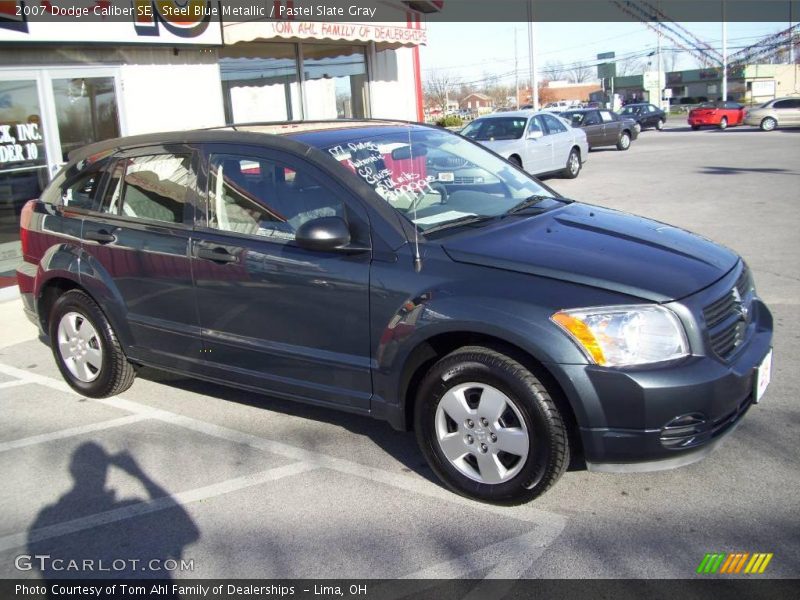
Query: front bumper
{"x": 647, "y": 419}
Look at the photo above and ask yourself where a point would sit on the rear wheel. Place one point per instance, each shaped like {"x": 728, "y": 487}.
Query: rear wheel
{"x": 573, "y": 167}
{"x": 489, "y": 428}
{"x": 695, "y": 127}
{"x": 768, "y": 124}
{"x": 723, "y": 124}
{"x": 660, "y": 124}
{"x": 624, "y": 141}
{"x": 86, "y": 348}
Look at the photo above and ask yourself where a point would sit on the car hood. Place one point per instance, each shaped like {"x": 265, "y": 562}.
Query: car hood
{"x": 501, "y": 146}
{"x": 601, "y": 248}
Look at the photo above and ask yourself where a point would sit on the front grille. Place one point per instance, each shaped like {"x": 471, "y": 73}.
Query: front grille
{"x": 726, "y": 318}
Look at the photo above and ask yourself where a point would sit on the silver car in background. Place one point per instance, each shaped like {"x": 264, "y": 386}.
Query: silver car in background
{"x": 781, "y": 112}
{"x": 538, "y": 142}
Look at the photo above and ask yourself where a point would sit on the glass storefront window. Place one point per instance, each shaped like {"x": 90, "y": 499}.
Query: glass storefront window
{"x": 260, "y": 82}
{"x": 23, "y": 161}
{"x": 335, "y": 81}
{"x": 86, "y": 109}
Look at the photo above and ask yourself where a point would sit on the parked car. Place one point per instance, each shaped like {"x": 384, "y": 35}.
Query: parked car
{"x": 645, "y": 115}
{"x": 719, "y": 114}
{"x": 603, "y": 127}
{"x": 508, "y": 327}
{"x": 781, "y": 112}
{"x": 560, "y": 105}
{"x": 538, "y": 142}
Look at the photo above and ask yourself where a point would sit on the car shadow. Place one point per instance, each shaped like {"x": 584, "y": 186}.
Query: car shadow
{"x": 714, "y": 170}
{"x": 398, "y": 444}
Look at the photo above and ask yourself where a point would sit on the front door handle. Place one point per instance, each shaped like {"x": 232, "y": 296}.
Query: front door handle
{"x": 101, "y": 235}
{"x": 216, "y": 254}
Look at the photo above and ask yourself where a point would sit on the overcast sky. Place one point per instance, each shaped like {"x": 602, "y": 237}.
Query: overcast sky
{"x": 471, "y": 50}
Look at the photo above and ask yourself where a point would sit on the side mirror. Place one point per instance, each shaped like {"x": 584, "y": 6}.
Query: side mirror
{"x": 535, "y": 134}
{"x": 323, "y": 234}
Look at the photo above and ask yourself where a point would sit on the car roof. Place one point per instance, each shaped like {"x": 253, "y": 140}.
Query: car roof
{"x": 527, "y": 112}
{"x": 243, "y": 132}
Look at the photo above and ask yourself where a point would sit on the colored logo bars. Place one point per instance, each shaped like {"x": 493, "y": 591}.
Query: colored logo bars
{"x": 734, "y": 563}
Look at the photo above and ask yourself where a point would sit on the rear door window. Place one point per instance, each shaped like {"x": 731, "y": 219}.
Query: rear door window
{"x": 153, "y": 187}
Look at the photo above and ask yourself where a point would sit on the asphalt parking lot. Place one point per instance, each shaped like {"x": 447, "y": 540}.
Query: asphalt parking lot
{"x": 240, "y": 485}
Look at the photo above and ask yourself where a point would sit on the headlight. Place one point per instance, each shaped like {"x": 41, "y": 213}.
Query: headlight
{"x": 616, "y": 336}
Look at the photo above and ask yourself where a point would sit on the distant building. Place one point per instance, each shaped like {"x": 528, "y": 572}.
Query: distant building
{"x": 748, "y": 84}
{"x": 476, "y": 102}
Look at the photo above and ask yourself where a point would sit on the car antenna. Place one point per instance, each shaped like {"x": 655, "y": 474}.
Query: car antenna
{"x": 417, "y": 256}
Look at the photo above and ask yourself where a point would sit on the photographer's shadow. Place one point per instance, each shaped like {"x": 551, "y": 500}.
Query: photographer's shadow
{"x": 90, "y": 534}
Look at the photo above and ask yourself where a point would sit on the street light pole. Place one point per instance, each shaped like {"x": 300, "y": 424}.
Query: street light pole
{"x": 532, "y": 60}
{"x": 724, "y": 55}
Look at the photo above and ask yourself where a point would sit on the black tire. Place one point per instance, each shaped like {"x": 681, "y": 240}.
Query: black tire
{"x": 515, "y": 160}
{"x": 547, "y": 443}
{"x": 723, "y": 123}
{"x": 660, "y": 124}
{"x": 574, "y": 164}
{"x": 114, "y": 374}
{"x": 768, "y": 124}
{"x": 624, "y": 141}
{"x": 695, "y": 127}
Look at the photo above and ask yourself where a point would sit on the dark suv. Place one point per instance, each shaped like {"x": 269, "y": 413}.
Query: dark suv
{"x": 509, "y": 327}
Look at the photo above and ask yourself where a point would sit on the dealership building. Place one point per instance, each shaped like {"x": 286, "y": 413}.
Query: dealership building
{"x": 64, "y": 86}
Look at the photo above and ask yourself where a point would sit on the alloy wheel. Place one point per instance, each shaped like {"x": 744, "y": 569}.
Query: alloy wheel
{"x": 80, "y": 347}
{"x": 482, "y": 433}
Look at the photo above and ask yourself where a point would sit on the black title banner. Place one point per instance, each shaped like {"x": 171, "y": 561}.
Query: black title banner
{"x": 377, "y": 589}
{"x": 396, "y": 11}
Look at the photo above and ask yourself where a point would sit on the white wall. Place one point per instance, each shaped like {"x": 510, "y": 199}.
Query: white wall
{"x": 392, "y": 89}
{"x": 163, "y": 97}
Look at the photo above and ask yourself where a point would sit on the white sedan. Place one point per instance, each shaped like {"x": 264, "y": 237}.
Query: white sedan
{"x": 539, "y": 142}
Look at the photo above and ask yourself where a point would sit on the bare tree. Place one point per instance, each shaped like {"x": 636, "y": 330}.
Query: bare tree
{"x": 580, "y": 72}
{"x": 438, "y": 87}
{"x": 554, "y": 70}
{"x": 630, "y": 66}
{"x": 670, "y": 60}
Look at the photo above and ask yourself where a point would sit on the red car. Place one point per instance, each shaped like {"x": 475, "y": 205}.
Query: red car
{"x": 719, "y": 114}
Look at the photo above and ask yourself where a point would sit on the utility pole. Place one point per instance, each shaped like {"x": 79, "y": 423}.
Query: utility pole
{"x": 516, "y": 71}
{"x": 532, "y": 59}
{"x": 725, "y": 55}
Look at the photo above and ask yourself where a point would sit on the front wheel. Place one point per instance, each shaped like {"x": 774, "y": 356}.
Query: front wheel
{"x": 695, "y": 127}
{"x": 573, "y": 164}
{"x": 660, "y": 124}
{"x": 515, "y": 160}
{"x": 86, "y": 348}
{"x": 638, "y": 128}
{"x": 768, "y": 124}
{"x": 624, "y": 141}
{"x": 489, "y": 428}
{"x": 723, "y": 124}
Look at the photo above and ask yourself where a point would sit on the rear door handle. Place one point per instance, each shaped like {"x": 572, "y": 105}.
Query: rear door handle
{"x": 101, "y": 235}
{"x": 216, "y": 254}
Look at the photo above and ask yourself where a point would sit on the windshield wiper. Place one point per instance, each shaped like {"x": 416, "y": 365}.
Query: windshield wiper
{"x": 465, "y": 220}
{"x": 529, "y": 202}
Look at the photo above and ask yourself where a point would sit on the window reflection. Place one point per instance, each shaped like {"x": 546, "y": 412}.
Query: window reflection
{"x": 336, "y": 81}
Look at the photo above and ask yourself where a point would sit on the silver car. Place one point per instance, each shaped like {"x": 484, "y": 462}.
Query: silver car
{"x": 539, "y": 142}
{"x": 781, "y": 112}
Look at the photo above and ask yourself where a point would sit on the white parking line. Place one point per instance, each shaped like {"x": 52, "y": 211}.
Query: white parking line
{"x": 18, "y": 540}
{"x": 72, "y": 431}
{"x": 506, "y": 557}
{"x": 10, "y": 384}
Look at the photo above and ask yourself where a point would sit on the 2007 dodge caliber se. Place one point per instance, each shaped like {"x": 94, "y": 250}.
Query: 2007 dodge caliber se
{"x": 351, "y": 264}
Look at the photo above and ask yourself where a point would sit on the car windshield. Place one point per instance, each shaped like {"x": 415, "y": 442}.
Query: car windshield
{"x": 709, "y": 105}
{"x": 495, "y": 128}
{"x": 433, "y": 177}
{"x": 631, "y": 110}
